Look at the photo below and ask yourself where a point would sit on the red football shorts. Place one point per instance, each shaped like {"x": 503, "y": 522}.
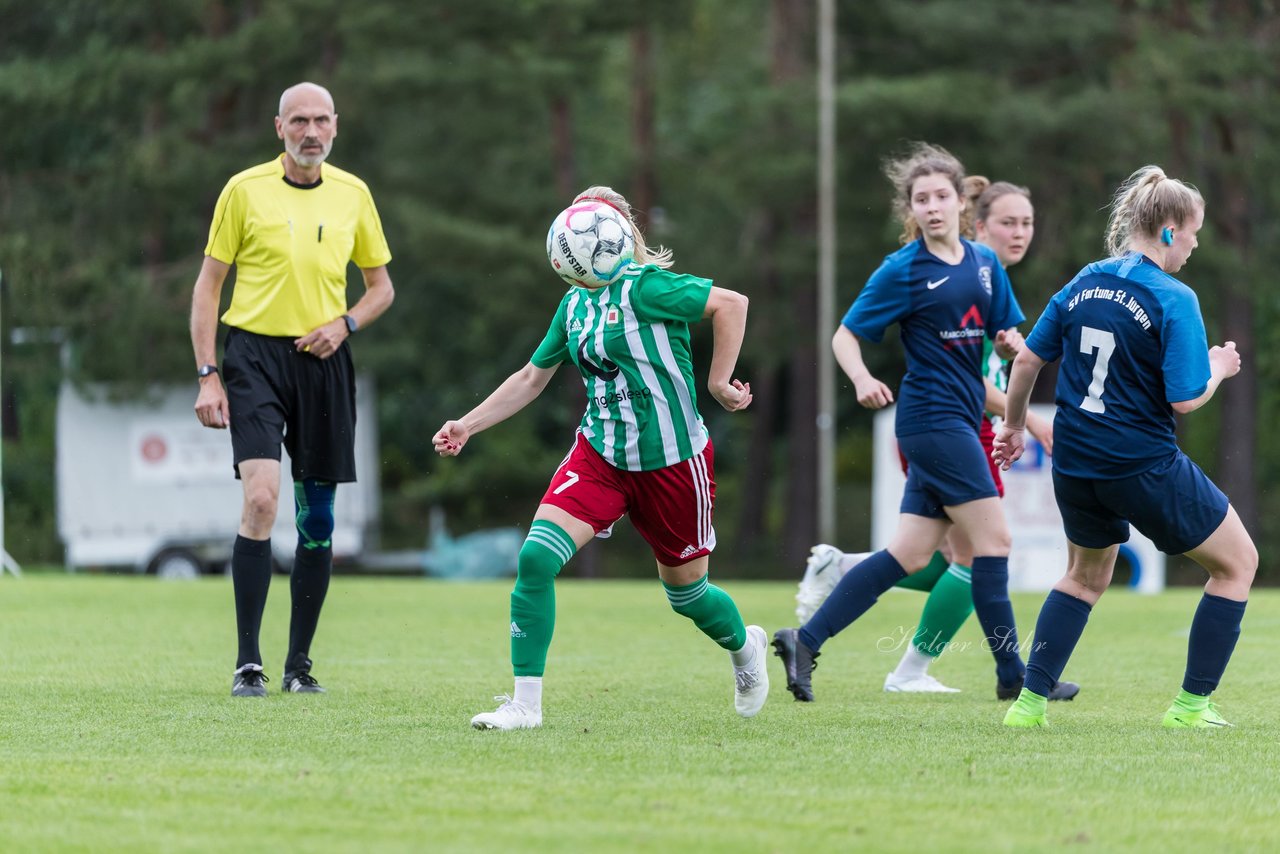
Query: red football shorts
{"x": 987, "y": 435}
{"x": 671, "y": 507}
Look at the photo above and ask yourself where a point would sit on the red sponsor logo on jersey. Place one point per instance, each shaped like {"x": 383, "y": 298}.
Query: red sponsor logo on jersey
{"x": 972, "y": 328}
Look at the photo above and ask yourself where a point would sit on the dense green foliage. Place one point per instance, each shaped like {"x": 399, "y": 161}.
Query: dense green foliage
{"x": 117, "y": 731}
{"x": 474, "y": 121}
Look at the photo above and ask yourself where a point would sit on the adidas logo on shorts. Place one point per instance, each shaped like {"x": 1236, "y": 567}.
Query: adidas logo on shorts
{"x": 688, "y": 550}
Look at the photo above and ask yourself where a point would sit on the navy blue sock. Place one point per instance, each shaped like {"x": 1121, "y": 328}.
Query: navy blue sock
{"x": 856, "y": 592}
{"x": 1214, "y": 632}
{"x": 1061, "y": 622}
{"x": 250, "y": 580}
{"x": 995, "y": 613}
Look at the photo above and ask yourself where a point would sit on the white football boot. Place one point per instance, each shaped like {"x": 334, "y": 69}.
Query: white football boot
{"x": 509, "y": 715}
{"x": 751, "y": 683}
{"x": 822, "y": 572}
{"x": 921, "y": 684}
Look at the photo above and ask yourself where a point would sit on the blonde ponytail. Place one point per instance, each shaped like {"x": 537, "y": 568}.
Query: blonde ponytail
{"x": 1143, "y": 203}
{"x": 659, "y": 257}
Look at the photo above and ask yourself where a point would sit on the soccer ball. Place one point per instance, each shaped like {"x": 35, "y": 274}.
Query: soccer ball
{"x": 590, "y": 244}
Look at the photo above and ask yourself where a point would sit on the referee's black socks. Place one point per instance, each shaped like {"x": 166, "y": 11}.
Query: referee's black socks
{"x": 309, "y": 583}
{"x": 251, "y": 578}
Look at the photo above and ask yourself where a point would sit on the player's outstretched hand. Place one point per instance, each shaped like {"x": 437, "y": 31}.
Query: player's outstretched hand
{"x": 450, "y": 438}
{"x": 1225, "y": 359}
{"x": 1008, "y": 446}
{"x": 872, "y": 393}
{"x": 733, "y": 395}
{"x": 1008, "y": 343}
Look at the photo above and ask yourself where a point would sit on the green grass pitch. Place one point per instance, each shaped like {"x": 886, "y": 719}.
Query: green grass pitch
{"x": 117, "y": 731}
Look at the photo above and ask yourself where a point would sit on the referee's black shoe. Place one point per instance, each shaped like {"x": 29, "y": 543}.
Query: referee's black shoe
{"x": 247, "y": 681}
{"x": 1060, "y": 691}
{"x": 301, "y": 682}
{"x": 798, "y": 661}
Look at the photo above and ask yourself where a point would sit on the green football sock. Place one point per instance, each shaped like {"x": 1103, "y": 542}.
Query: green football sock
{"x": 533, "y": 601}
{"x": 926, "y": 578}
{"x": 711, "y": 609}
{"x": 949, "y": 604}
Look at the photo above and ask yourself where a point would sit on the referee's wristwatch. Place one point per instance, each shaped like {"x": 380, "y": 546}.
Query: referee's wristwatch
{"x": 352, "y": 325}
{"x": 204, "y": 371}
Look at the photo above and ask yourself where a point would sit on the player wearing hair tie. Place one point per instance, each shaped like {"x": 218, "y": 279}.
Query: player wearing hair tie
{"x": 640, "y": 450}
{"x": 1133, "y": 352}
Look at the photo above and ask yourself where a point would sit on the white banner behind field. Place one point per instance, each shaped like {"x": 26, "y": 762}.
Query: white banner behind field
{"x": 1039, "y": 555}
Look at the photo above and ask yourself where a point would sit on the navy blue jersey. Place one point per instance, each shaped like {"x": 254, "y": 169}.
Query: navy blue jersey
{"x": 943, "y": 311}
{"x": 1132, "y": 341}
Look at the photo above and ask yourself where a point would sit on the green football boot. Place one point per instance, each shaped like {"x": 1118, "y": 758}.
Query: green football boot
{"x": 1027, "y": 712}
{"x": 1207, "y": 718}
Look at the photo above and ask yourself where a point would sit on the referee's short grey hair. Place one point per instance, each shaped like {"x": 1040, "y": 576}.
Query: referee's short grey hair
{"x": 284, "y": 96}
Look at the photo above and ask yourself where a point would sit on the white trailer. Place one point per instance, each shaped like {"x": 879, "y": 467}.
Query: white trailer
{"x": 141, "y": 484}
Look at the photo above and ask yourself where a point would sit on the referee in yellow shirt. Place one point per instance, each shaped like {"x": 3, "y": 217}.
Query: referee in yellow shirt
{"x": 290, "y": 226}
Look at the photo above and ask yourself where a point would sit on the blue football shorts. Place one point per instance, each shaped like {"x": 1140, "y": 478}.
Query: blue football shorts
{"x": 1174, "y": 504}
{"x": 944, "y": 469}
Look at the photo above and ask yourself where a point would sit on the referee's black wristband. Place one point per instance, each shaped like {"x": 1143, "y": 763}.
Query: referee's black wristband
{"x": 204, "y": 371}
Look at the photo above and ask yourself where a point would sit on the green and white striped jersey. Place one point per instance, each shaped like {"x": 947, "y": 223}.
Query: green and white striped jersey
{"x": 993, "y": 366}
{"x": 630, "y": 342}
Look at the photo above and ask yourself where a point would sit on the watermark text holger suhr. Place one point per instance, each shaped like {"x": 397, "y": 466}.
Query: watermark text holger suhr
{"x": 902, "y": 635}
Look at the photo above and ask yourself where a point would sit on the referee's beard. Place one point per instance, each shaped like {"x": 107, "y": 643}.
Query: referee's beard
{"x": 311, "y": 159}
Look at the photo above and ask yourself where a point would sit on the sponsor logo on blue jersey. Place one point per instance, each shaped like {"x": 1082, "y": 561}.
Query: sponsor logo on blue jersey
{"x": 971, "y": 330}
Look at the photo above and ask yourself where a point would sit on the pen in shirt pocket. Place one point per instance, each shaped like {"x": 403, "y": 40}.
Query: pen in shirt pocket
{"x": 320, "y": 233}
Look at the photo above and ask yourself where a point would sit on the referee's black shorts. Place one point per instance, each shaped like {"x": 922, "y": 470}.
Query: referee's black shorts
{"x": 277, "y": 394}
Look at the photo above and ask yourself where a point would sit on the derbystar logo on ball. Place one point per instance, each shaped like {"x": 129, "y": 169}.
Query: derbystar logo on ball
{"x": 590, "y": 244}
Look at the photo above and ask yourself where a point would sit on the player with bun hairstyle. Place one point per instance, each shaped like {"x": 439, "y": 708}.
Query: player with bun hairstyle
{"x": 641, "y": 449}
{"x": 946, "y": 293}
{"x": 1133, "y": 349}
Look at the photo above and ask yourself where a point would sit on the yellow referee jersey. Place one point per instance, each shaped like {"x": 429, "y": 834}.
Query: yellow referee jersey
{"x": 291, "y": 246}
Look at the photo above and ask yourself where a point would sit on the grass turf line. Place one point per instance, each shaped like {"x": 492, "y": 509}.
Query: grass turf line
{"x": 117, "y": 731}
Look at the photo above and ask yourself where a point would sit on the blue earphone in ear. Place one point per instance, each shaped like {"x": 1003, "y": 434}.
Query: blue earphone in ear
{"x": 1166, "y": 237}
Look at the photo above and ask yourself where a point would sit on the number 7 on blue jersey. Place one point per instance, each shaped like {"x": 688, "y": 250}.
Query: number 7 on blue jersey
{"x": 1105, "y": 343}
